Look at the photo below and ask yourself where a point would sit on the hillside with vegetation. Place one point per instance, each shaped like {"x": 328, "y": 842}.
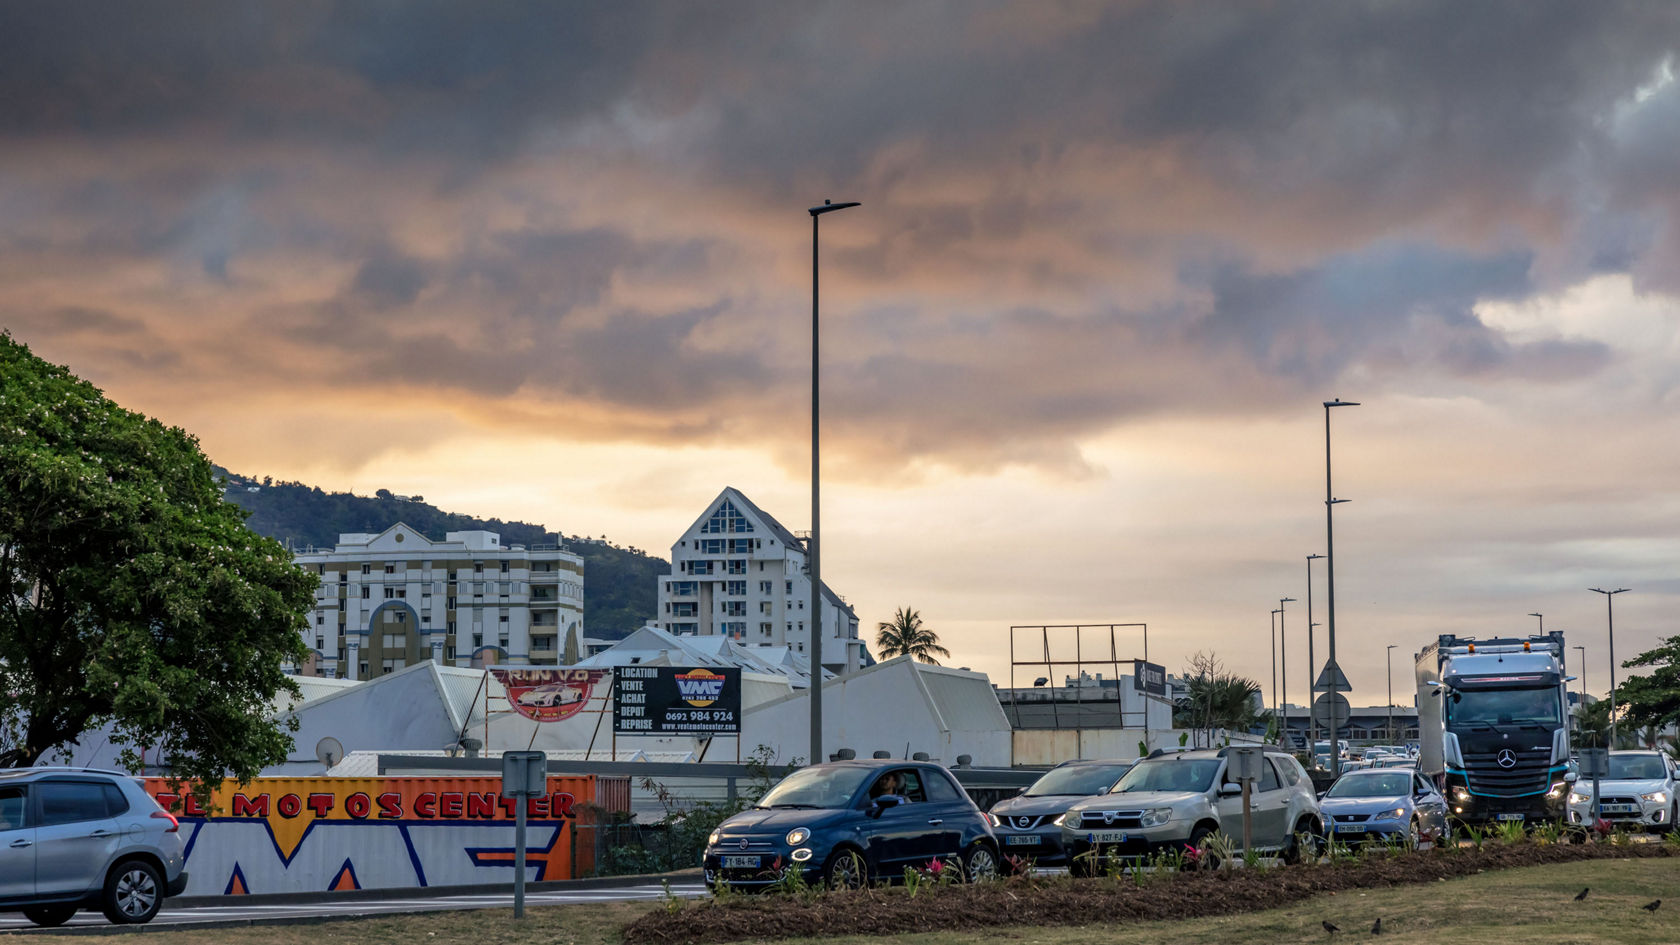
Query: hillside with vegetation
{"x": 620, "y": 591}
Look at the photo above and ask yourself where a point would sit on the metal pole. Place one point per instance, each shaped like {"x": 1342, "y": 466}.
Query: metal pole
{"x": 1583, "y": 652}
{"x": 1330, "y": 502}
{"x": 519, "y": 858}
{"x": 1542, "y": 622}
{"x": 1312, "y": 667}
{"x": 1390, "y": 655}
{"x": 1610, "y": 614}
{"x": 1283, "y": 671}
{"x": 813, "y": 551}
{"x": 812, "y": 555}
{"x": 1274, "y": 671}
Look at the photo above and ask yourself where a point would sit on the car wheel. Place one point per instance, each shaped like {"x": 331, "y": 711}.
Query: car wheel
{"x": 133, "y": 893}
{"x": 1414, "y": 835}
{"x": 1197, "y": 838}
{"x": 845, "y": 869}
{"x": 49, "y": 916}
{"x": 979, "y": 863}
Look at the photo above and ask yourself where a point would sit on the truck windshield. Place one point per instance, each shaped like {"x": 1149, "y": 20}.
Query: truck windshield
{"x": 1169, "y": 774}
{"x": 1471, "y": 707}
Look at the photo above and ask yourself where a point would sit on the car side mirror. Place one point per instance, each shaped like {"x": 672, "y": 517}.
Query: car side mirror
{"x": 1229, "y": 790}
{"x": 883, "y": 802}
{"x": 1021, "y": 790}
{"x": 1102, "y": 790}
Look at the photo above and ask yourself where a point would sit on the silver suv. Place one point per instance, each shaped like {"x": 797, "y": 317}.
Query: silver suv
{"x": 1177, "y": 800}
{"x": 73, "y": 838}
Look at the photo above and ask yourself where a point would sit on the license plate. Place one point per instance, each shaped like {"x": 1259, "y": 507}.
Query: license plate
{"x": 1021, "y": 840}
{"x": 1350, "y": 828}
{"x": 1619, "y": 809}
{"x": 1106, "y": 836}
{"x": 740, "y": 862}
{"x": 1510, "y": 817}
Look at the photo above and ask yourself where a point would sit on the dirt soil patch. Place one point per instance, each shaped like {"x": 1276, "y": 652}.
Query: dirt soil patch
{"x": 1066, "y": 901}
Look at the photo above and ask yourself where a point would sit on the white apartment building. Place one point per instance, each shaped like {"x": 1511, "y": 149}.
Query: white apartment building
{"x": 737, "y": 572}
{"x": 397, "y": 598}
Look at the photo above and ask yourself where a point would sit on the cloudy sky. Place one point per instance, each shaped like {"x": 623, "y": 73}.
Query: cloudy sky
{"x": 552, "y": 262}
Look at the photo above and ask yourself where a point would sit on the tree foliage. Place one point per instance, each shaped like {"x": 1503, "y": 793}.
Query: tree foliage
{"x": 1215, "y": 699}
{"x": 905, "y": 635}
{"x": 1654, "y": 700}
{"x": 135, "y": 598}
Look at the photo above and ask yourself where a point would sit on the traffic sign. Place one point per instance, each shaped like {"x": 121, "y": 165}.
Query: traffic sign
{"x": 1332, "y": 679}
{"x": 1331, "y": 710}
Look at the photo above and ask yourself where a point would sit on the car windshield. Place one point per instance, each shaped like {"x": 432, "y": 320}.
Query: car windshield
{"x": 1371, "y": 785}
{"x": 1486, "y": 707}
{"x": 1079, "y": 780}
{"x": 1637, "y": 768}
{"x": 1170, "y": 774}
{"x": 817, "y": 787}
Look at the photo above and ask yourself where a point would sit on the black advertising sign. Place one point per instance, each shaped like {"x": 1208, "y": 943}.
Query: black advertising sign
{"x": 1149, "y": 677}
{"x": 677, "y": 700}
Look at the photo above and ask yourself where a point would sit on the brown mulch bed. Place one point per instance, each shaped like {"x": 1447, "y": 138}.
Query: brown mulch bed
{"x": 1063, "y": 901}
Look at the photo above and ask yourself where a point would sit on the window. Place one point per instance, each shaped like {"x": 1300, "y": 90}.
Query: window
{"x": 789, "y": 587}
{"x": 763, "y": 606}
{"x": 451, "y": 603}
{"x": 764, "y": 629}
{"x": 367, "y": 592}
{"x": 685, "y": 609}
{"x": 736, "y": 588}
{"x": 13, "y": 808}
{"x": 763, "y": 587}
{"x": 738, "y": 567}
{"x": 505, "y": 565}
{"x": 367, "y": 568}
{"x": 343, "y": 577}
{"x": 700, "y": 567}
{"x": 68, "y": 802}
{"x": 478, "y": 640}
{"x": 939, "y": 788}
{"x": 727, "y": 520}
{"x": 711, "y": 546}
{"x": 504, "y": 618}
{"x": 320, "y": 618}
{"x": 451, "y": 626}
{"x": 320, "y": 643}
{"x": 740, "y": 546}
{"x": 734, "y": 608}
{"x": 390, "y": 569}
{"x": 684, "y": 588}
{"x": 364, "y": 670}
{"x": 478, "y": 589}
{"x": 478, "y": 567}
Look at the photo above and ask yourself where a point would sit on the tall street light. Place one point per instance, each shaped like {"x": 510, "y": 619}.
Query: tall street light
{"x": 1283, "y": 658}
{"x": 1312, "y": 666}
{"x": 1330, "y": 502}
{"x": 814, "y": 551}
{"x": 1391, "y": 738}
{"x": 1610, "y": 614}
{"x": 1274, "y": 665}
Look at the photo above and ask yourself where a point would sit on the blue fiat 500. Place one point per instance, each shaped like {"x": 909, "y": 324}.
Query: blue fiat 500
{"x": 848, "y": 822}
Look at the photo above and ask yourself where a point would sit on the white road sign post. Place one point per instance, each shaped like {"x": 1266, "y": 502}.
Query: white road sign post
{"x": 524, "y": 776}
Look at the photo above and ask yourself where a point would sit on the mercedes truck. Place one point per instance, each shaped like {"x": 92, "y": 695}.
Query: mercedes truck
{"x": 1493, "y": 728}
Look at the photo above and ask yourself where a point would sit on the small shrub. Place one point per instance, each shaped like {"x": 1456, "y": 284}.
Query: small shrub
{"x": 1219, "y": 851}
{"x": 1511, "y": 831}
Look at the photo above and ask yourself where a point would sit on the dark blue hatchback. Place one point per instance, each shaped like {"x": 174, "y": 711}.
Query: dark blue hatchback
{"x": 848, "y": 822}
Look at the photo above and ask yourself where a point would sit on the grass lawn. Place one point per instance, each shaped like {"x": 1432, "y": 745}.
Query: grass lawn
{"x": 1532, "y": 906}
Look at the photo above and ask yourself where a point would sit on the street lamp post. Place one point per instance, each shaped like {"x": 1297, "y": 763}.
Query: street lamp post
{"x": 1391, "y": 738}
{"x": 1583, "y": 651}
{"x": 1330, "y": 502}
{"x": 1274, "y": 666}
{"x": 813, "y": 552}
{"x": 1283, "y": 659}
{"x": 1610, "y": 615}
{"x": 1312, "y": 667}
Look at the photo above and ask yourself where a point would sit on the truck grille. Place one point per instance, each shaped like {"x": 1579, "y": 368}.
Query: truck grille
{"x": 1530, "y": 774}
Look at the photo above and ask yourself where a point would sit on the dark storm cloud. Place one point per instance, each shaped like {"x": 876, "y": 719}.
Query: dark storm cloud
{"x": 1070, "y": 207}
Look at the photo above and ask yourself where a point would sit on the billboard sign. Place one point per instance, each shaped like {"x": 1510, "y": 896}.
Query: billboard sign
{"x": 1149, "y": 677}
{"x": 677, "y": 700}
{"x": 548, "y": 695}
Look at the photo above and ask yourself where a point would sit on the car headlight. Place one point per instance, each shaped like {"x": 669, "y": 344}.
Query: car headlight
{"x": 1062, "y": 821}
{"x": 1556, "y": 791}
{"x": 1156, "y": 816}
{"x": 798, "y": 835}
{"x": 1397, "y": 812}
{"x": 991, "y": 818}
{"x": 712, "y": 840}
{"x": 1656, "y": 797}
{"x": 1576, "y": 797}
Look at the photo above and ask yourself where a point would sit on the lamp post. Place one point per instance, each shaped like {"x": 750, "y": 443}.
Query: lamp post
{"x": 1583, "y": 651}
{"x": 1390, "y": 654}
{"x": 1312, "y": 667}
{"x": 1274, "y": 669}
{"x": 1283, "y": 659}
{"x": 1330, "y": 503}
{"x": 813, "y": 553}
{"x": 1610, "y": 615}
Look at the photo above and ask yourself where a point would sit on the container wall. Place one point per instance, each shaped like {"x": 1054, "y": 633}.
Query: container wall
{"x": 287, "y": 835}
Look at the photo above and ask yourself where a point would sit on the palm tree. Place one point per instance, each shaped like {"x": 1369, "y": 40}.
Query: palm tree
{"x": 904, "y": 635}
{"x": 1222, "y": 700}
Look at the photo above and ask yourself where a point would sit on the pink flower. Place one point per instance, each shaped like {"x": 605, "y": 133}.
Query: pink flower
{"x": 935, "y": 867}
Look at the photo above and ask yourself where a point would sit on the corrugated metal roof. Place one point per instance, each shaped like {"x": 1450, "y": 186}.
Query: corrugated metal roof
{"x": 964, "y": 701}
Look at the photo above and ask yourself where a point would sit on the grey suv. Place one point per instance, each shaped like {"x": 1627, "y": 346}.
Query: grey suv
{"x": 73, "y": 838}
{"x": 1171, "y": 801}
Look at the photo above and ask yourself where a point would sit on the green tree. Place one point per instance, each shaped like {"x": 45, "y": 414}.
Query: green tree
{"x": 135, "y": 599}
{"x": 1651, "y": 701}
{"x": 1216, "y": 699}
{"x": 904, "y": 635}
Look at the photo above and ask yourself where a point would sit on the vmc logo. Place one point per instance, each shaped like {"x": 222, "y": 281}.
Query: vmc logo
{"x": 700, "y": 687}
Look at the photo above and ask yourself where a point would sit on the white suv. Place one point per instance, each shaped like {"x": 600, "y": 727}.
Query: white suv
{"x": 1170, "y": 801}
{"x": 1638, "y": 793}
{"x": 72, "y": 838}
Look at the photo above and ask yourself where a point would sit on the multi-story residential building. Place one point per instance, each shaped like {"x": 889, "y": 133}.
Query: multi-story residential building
{"x": 738, "y": 573}
{"x": 396, "y": 598}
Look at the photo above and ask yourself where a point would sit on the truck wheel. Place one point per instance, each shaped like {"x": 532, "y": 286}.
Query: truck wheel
{"x": 49, "y": 916}
{"x": 133, "y": 893}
